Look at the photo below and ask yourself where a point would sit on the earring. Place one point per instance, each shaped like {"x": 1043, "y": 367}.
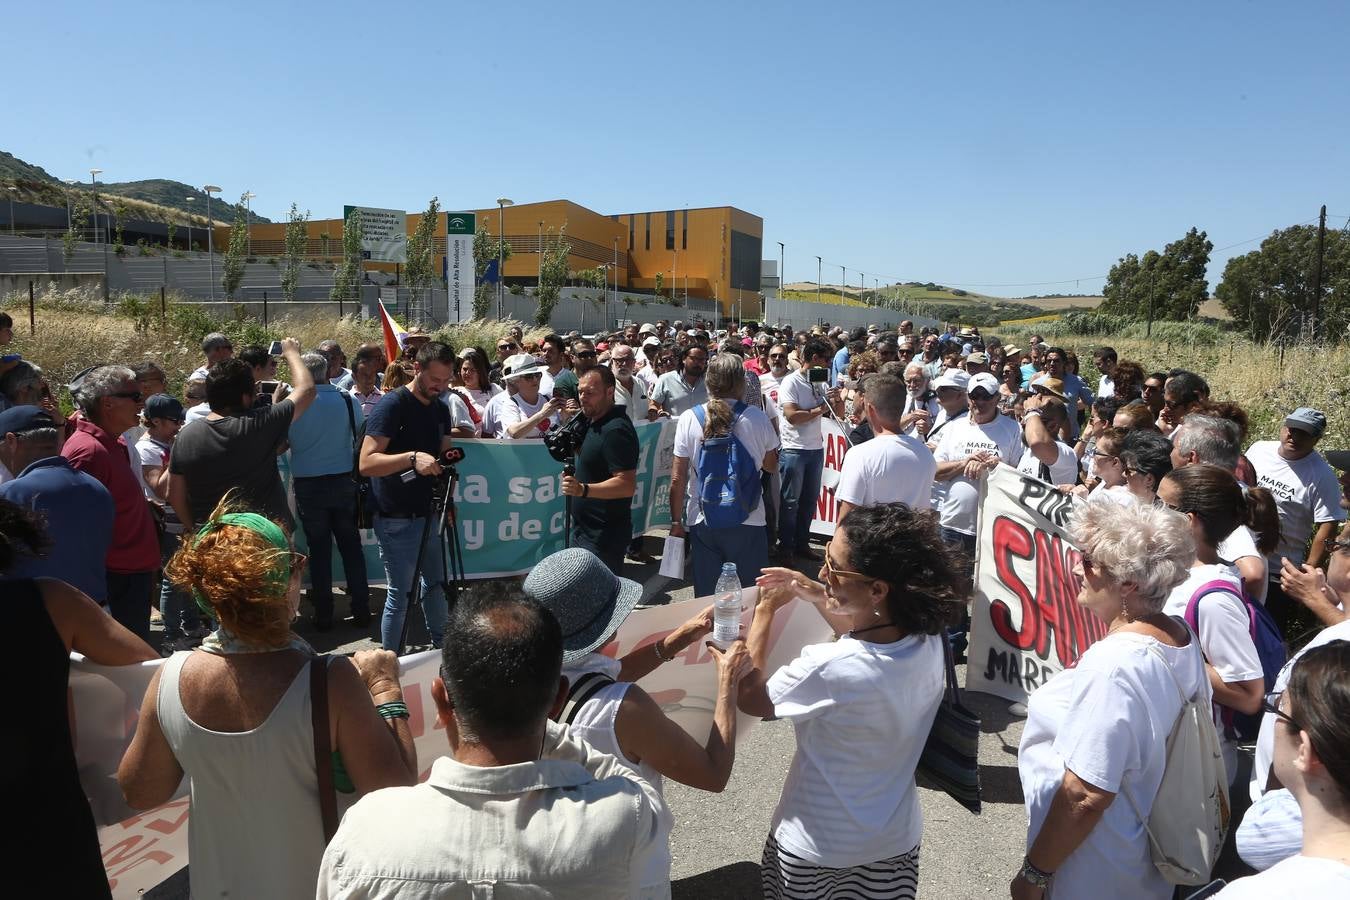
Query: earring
{"x": 876, "y": 612}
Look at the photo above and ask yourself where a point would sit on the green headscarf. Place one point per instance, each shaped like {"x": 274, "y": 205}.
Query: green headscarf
{"x": 261, "y": 525}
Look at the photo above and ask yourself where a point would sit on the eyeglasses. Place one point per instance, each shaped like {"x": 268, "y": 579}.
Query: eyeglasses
{"x": 1271, "y": 703}
{"x": 778, "y": 356}
{"x": 1337, "y": 545}
{"x": 583, "y": 354}
{"x": 134, "y": 396}
{"x": 622, "y": 360}
{"x": 1165, "y": 505}
{"x": 836, "y": 575}
{"x": 506, "y": 346}
{"x": 1173, "y": 404}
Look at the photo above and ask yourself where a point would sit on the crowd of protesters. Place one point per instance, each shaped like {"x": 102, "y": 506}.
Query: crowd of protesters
{"x": 141, "y": 505}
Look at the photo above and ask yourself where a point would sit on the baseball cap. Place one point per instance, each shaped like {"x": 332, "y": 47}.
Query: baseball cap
{"x": 977, "y": 358}
{"x": 1052, "y": 386}
{"x": 983, "y": 380}
{"x": 954, "y": 378}
{"x": 163, "y": 406}
{"x": 18, "y": 419}
{"x": 652, "y": 341}
{"x": 1305, "y": 418}
{"x": 520, "y": 364}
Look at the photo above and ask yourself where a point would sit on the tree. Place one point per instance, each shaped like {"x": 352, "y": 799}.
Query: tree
{"x": 552, "y": 274}
{"x": 81, "y": 214}
{"x": 486, "y": 249}
{"x": 173, "y": 230}
{"x": 1167, "y": 285}
{"x": 421, "y": 251}
{"x": 232, "y": 266}
{"x": 348, "y": 276}
{"x": 324, "y": 239}
{"x": 297, "y": 241}
{"x": 1270, "y": 291}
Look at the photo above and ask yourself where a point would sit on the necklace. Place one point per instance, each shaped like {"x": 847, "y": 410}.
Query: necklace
{"x": 857, "y": 631}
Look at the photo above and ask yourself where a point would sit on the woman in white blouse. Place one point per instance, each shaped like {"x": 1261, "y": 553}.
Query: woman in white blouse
{"x": 476, "y": 387}
{"x": 861, "y": 707}
{"x": 1101, "y": 727}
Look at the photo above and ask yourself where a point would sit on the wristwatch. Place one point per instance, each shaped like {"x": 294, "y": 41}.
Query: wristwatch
{"x": 1033, "y": 875}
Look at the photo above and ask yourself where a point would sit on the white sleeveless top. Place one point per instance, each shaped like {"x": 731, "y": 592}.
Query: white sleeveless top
{"x": 594, "y": 724}
{"x": 255, "y": 828}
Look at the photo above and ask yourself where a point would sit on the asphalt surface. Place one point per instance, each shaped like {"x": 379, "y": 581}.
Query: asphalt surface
{"x": 718, "y": 838}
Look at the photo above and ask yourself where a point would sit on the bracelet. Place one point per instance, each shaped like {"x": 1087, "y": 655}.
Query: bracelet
{"x": 1033, "y": 875}
{"x": 412, "y": 460}
{"x": 585, "y": 490}
{"x": 659, "y": 655}
{"x": 394, "y": 709}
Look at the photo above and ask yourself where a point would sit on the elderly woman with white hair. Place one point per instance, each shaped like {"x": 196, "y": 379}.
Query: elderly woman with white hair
{"x": 1101, "y": 727}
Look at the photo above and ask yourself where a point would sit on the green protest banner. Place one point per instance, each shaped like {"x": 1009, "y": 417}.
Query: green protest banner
{"x": 509, "y": 508}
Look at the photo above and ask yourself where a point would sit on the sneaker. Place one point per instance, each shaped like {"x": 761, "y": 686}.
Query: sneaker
{"x": 361, "y": 620}
{"x": 1017, "y": 709}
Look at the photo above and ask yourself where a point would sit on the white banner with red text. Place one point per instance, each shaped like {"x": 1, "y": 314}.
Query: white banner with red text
{"x": 1026, "y": 623}
{"x": 141, "y": 850}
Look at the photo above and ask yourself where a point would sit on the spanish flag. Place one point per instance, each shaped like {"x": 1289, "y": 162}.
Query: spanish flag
{"x": 394, "y": 334}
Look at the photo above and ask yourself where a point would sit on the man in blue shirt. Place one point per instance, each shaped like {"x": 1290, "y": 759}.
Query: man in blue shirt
{"x": 1077, "y": 395}
{"x": 322, "y": 443}
{"x": 77, "y": 507}
{"x": 839, "y": 365}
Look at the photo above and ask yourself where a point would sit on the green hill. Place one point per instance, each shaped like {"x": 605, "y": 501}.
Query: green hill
{"x": 159, "y": 196}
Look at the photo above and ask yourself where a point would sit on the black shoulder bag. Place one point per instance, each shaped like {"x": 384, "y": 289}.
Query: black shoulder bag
{"x": 365, "y": 509}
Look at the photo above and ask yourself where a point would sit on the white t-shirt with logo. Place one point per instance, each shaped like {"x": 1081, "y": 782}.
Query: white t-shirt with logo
{"x": 1306, "y": 494}
{"x": 887, "y": 469}
{"x": 755, "y": 433}
{"x": 513, "y": 410}
{"x": 1225, "y": 636}
{"x": 796, "y": 389}
{"x": 1064, "y": 470}
{"x": 1295, "y": 878}
{"x": 1107, "y": 719}
{"x": 959, "y": 440}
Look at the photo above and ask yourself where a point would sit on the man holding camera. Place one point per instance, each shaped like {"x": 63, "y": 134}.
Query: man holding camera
{"x": 802, "y": 396}
{"x": 407, "y": 435}
{"x": 606, "y": 472}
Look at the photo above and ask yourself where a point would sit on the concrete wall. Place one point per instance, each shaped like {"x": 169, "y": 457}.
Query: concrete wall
{"x": 62, "y": 281}
{"x": 804, "y": 314}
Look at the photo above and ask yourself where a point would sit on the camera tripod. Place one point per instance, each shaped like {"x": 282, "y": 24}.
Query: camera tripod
{"x": 452, "y": 555}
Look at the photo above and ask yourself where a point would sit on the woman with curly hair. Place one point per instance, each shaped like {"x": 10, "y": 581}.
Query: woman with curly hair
{"x": 861, "y": 707}
{"x": 235, "y": 716}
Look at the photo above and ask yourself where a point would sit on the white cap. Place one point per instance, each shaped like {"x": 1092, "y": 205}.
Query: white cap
{"x": 955, "y": 378}
{"x": 983, "y": 380}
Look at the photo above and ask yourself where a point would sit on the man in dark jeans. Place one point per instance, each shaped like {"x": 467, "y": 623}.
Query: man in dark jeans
{"x": 606, "y": 472}
{"x": 325, "y": 495}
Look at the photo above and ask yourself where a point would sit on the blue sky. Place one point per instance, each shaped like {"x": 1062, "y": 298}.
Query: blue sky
{"x": 975, "y": 143}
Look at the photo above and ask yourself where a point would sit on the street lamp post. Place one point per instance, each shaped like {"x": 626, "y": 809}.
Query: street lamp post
{"x": 502, "y": 204}
{"x": 70, "y": 182}
{"x": 248, "y": 219}
{"x": 616, "y": 273}
{"x": 210, "y": 189}
{"x": 818, "y": 277}
{"x": 189, "y": 224}
{"x": 93, "y": 180}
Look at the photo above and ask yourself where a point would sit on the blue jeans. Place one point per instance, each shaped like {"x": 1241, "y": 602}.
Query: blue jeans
{"x": 800, "y": 472}
{"x": 964, "y": 544}
{"x": 398, "y": 550}
{"x": 745, "y": 545}
{"x": 178, "y": 609}
{"x": 327, "y": 512}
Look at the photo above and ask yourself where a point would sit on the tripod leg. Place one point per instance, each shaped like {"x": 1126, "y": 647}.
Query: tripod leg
{"x": 415, "y": 589}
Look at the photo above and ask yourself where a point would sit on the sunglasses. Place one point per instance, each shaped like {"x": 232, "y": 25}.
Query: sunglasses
{"x": 980, "y": 395}
{"x": 1106, "y": 457}
{"x": 584, "y": 354}
{"x": 1165, "y": 505}
{"x": 135, "y": 396}
{"x": 1271, "y": 703}
{"x": 834, "y": 575}
{"x": 506, "y": 346}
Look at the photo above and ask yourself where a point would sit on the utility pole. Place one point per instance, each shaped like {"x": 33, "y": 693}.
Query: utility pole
{"x": 843, "y": 283}
{"x": 1317, "y": 269}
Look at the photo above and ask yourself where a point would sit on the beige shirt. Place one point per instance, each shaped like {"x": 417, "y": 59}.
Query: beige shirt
{"x": 575, "y": 823}
{"x": 636, "y": 399}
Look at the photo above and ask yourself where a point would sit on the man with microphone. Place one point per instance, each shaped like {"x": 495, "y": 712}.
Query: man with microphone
{"x": 606, "y": 472}
{"x": 407, "y": 435}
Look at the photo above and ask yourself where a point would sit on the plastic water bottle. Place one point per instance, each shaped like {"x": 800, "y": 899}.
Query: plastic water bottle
{"x": 727, "y": 607}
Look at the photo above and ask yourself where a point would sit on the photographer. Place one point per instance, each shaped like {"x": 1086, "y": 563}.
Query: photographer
{"x": 802, "y": 399}
{"x": 407, "y": 434}
{"x": 606, "y": 472}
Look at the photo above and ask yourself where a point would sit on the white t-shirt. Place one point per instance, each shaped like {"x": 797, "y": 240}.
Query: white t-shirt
{"x": 1297, "y": 878}
{"x": 796, "y": 389}
{"x": 888, "y": 469}
{"x": 861, "y": 713}
{"x": 769, "y": 383}
{"x": 149, "y": 452}
{"x": 512, "y": 410}
{"x": 753, "y": 430}
{"x": 1306, "y": 493}
{"x": 931, "y": 404}
{"x": 1105, "y": 387}
{"x": 635, "y": 401}
{"x": 1265, "y": 740}
{"x": 1064, "y": 470}
{"x": 1120, "y": 493}
{"x": 1225, "y": 636}
{"x": 459, "y": 410}
{"x": 1107, "y": 719}
{"x": 959, "y": 440}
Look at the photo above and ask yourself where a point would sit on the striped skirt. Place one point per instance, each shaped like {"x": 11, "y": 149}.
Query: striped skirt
{"x": 787, "y": 877}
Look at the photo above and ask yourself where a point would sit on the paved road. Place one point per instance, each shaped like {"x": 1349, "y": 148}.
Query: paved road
{"x": 718, "y": 838}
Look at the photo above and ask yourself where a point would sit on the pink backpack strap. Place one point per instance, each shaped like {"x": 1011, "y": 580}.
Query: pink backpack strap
{"x": 1193, "y": 605}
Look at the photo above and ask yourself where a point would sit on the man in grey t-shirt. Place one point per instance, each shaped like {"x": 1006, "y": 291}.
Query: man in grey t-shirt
{"x": 235, "y": 446}
{"x": 683, "y": 389}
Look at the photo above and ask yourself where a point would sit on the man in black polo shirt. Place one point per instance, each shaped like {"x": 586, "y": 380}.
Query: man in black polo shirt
{"x": 408, "y": 431}
{"x": 606, "y": 477}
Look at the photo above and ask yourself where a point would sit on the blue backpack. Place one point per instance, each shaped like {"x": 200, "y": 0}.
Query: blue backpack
{"x": 1270, "y": 649}
{"x": 729, "y": 486}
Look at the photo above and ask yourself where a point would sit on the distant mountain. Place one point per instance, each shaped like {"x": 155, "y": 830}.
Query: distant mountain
{"x": 37, "y": 185}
